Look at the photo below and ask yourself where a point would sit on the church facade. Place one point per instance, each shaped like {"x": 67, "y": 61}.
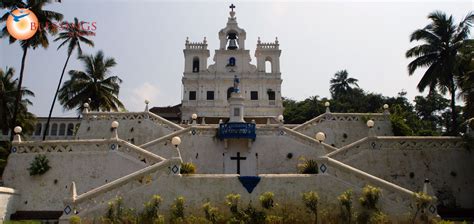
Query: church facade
{"x": 135, "y": 155}
{"x": 207, "y": 88}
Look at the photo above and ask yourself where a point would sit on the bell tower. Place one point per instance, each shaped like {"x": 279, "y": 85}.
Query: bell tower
{"x": 232, "y": 37}
{"x": 209, "y": 90}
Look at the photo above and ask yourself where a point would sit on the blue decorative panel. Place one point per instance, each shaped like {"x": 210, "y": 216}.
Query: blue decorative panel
{"x": 432, "y": 209}
{"x": 13, "y": 149}
{"x": 323, "y": 168}
{"x": 175, "y": 169}
{"x": 249, "y": 182}
{"x": 67, "y": 210}
{"x": 237, "y": 130}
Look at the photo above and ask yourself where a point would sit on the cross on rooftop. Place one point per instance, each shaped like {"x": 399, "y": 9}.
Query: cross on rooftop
{"x": 232, "y": 7}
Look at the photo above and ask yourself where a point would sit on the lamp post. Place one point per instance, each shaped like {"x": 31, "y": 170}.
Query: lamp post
{"x": 146, "y": 105}
{"x": 370, "y": 125}
{"x": 176, "y": 141}
{"x": 320, "y": 136}
{"x": 114, "y": 125}
{"x": 385, "y": 109}
{"x": 17, "y": 131}
{"x": 194, "y": 117}
{"x": 85, "y": 108}
{"x": 280, "y": 119}
{"x": 327, "y": 104}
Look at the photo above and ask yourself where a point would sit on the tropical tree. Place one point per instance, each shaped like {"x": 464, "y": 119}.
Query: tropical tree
{"x": 72, "y": 35}
{"x": 442, "y": 41}
{"x": 8, "y": 93}
{"x": 40, "y": 39}
{"x": 95, "y": 83}
{"x": 466, "y": 77}
{"x": 341, "y": 84}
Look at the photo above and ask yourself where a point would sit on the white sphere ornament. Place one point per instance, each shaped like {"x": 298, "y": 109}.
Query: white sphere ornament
{"x": 370, "y": 123}
{"x": 327, "y": 104}
{"x": 194, "y": 116}
{"x": 86, "y": 105}
{"x": 147, "y": 101}
{"x": 280, "y": 118}
{"x": 114, "y": 124}
{"x": 17, "y": 130}
{"x": 176, "y": 141}
{"x": 320, "y": 136}
{"x": 385, "y": 106}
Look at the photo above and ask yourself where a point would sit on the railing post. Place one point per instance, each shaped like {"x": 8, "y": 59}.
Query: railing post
{"x": 69, "y": 205}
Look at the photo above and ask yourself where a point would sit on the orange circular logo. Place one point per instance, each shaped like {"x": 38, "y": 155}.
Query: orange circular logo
{"x": 22, "y": 24}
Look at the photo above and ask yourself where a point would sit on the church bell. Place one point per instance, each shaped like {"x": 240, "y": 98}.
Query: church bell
{"x": 232, "y": 42}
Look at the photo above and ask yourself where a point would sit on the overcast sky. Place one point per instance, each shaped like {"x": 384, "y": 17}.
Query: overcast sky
{"x": 317, "y": 39}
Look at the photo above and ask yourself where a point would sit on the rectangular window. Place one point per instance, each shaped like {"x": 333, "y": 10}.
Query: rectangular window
{"x": 210, "y": 95}
{"x": 192, "y": 95}
{"x": 253, "y": 95}
{"x": 271, "y": 95}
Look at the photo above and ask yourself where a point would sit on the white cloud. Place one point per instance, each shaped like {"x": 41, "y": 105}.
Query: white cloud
{"x": 135, "y": 99}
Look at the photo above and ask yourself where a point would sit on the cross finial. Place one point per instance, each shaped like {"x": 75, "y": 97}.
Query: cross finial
{"x": 232, "y": 7}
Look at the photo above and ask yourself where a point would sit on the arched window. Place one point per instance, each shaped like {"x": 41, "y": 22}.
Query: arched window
{"x": 70, "y": 129}
{"x": 229, "y": 92}
{"x": 62, "y": 129}
{"x": 268, "y": 65}
{"x": 38, "y": 128}
{"x": 54, "y": 130}
{"x": 231, "y": 61}
{"x": 195, "y": 64}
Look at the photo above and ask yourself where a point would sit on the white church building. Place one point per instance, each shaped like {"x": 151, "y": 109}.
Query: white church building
{"x": 238, "y": 141}
{"x": 206, "y": 89}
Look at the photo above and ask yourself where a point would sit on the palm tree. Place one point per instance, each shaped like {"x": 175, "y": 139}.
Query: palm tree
{"x": 442, "y": 41}
{"x": 94, "y": 83}
{"x": 466, "y": 77}
{"x": 8, "y": 93}
{"x": 73, "y": 35}
{"x": 40, "y": 39}
{"x": 341, "y": 84}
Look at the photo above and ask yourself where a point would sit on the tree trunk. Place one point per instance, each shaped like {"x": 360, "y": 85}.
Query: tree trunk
{"x": 454, "y": 115}
{"x": 18, "y": 96}
{"x": 55, "y": 96}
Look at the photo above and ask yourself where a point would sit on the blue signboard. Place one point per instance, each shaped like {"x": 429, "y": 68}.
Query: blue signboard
{"x": 237, "y": 130}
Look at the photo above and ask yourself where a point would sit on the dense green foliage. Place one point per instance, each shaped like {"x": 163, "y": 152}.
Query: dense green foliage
{"x": 40, "y": 39}
{"x": 39, "y": 166}
{"x": 308, "y": 166}
{"x": 441, "y": 43}
{"x": 188, "y": 168}
{"x": 94, "y": 83}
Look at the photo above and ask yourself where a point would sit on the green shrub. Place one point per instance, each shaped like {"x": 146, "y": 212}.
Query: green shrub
{"x": 266, "y": 200}
{"x": 233, "y": 201}
{"x": 345, "y": 201}
{"x": 368, "y": 201}
{"x": 39, "y": 166}
{"x": 117, "y": 213}
{"x": 177, "y": 210}
{"x": 188, "y": 168}
{"x": 252, "y": 215}
{"x": 370, "y": 197}
{"x": 308, "y": 166}
{"x": 75, "y": 219}
{"x": 400, "y": 127}
{"x": 273, "y": 219}
{"x": 150, "y": 211}
{"x": 422, "y": 201}
{"x": 211, "y": 213}
{"x": 310, "y": 200}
